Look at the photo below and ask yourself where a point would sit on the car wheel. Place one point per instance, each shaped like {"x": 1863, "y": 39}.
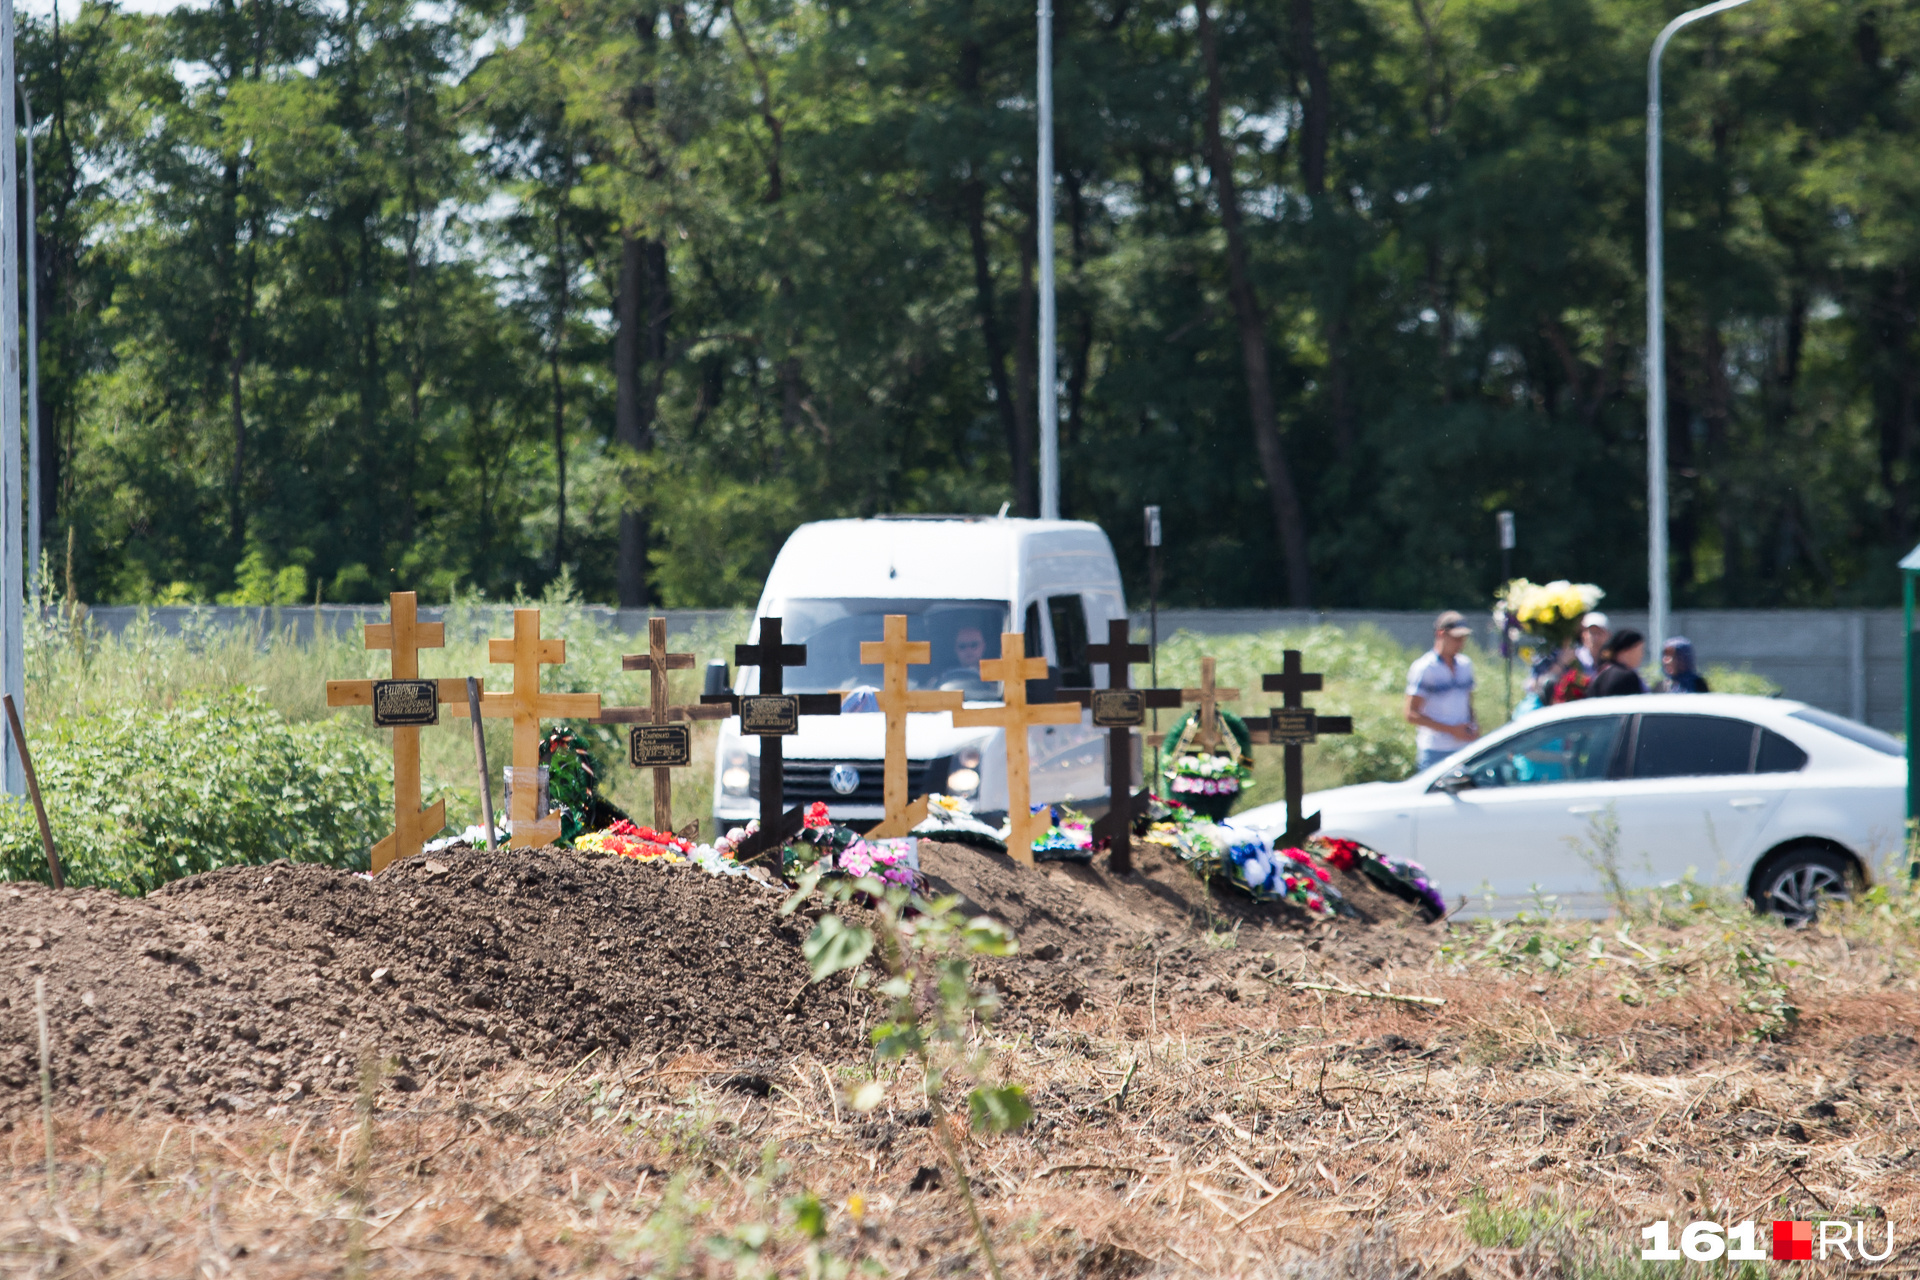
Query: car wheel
{"x": 1794, "y": 881}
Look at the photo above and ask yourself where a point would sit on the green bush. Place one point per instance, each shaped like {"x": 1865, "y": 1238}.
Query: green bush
{"x": 141, "y": 796}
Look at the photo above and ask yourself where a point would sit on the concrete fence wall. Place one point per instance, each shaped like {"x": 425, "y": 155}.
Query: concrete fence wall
{"x": 1844, "y": 660}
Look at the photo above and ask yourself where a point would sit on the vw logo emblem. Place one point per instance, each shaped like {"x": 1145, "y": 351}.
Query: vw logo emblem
{"x": 844, "y": 779}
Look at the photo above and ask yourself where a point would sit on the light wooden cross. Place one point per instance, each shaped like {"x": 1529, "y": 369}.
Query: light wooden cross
{"x": 526, "y": 706}
{"x": 404, "y": 636}
{"x": 1209, "y": 697}
{"x": 659, "y": 662}
{"x": 1014, "y": 715}
{"x": 896, "y": 653}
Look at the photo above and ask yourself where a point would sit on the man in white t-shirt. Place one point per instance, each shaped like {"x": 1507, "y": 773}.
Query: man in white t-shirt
{"x": 1440, "y": 692}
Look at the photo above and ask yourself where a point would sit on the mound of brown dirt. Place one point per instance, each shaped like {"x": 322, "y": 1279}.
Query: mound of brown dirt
{"x": 254, "y": 984}
{"x": 1087, "y": 934}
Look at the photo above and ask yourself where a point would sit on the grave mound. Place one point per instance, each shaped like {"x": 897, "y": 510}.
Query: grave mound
{"x": 255, "y": 986}
{"x": 252, "y": 985}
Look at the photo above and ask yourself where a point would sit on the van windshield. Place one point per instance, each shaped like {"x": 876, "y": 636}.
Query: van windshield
{"x": 961, "y": 632}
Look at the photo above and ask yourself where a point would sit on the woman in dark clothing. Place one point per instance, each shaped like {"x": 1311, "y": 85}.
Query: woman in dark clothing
{"x": 1682, "y": 675}
{"x": 1620, "y": 661}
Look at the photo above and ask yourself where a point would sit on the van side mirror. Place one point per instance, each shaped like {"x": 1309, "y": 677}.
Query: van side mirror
{"x": 1454, "y": 781}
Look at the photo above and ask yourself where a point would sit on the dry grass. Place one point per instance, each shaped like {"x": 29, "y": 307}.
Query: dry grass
{"x": 1529, "y": 1126}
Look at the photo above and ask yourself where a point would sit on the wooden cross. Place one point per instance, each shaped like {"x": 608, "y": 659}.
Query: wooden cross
{"x": 405, "y": 637}
{"x": 1119, "y": 713}
{"x": 771, "y": 715}
{"x": 664, "y": 746}
{"x": 1014, "y": 715}
{"x": 1207, "y": 732}
{"x": 896, "y": 653}
{"x": 526, "y": 706}
{"x": 1295, "y": 726}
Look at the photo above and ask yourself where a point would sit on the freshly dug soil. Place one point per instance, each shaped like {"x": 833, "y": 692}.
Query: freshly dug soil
{"x": 255, "y": 986}
{"x": 262, "y": 984}
{"x": 1160, "y": 933}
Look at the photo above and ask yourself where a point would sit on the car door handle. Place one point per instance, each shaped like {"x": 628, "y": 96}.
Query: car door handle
{"x": 1748, "y": 802}
{"x": 1584, "y": 808}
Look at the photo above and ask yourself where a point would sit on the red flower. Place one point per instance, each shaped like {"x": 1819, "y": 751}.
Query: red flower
{"x": 1341, "y": 853}
{"x": 817, "y": 815}
{"x": 1298, "y": 855}
{"x": 1320, "y": 875}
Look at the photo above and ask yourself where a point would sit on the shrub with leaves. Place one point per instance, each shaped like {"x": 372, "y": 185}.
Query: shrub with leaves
{"x": 140, "y": 796}
{"x": 922, "y": 950}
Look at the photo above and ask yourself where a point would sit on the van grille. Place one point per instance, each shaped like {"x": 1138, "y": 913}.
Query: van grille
{"x": 804, "y": 781}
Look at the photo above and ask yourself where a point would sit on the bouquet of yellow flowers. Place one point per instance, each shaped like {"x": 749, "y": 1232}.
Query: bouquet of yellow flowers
{"x": 1550, "y": 611}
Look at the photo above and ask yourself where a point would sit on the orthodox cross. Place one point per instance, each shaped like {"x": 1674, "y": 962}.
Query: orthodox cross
{"x": 1014, "y": 715}
{"x": 770, "y": 716}
{"x": 896, "y": 653}
{"x": 1118, "y": 708}
{"x": 405, "y": 702}
{"x": 1207, "y": 723}
{"x": 526, "y": 706}
{"x": 1295, "y": 726}
{"x": 654, "y": 742}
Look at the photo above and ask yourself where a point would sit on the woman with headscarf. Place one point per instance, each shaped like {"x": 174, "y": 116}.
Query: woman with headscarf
{"x": 1676, "y": 659}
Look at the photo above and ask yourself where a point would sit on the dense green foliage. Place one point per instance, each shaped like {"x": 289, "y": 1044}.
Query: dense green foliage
{"x": 339, "y": 298}
{"x": 138, "y": 797}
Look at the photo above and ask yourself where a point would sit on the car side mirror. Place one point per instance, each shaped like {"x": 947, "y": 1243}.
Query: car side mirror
{"x": 1454, "y": 781}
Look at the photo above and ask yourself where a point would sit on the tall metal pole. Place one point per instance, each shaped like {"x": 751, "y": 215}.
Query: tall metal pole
{"x": 1043, "y": 216}
{"x": 33, "y": 362}
{"x": 1657, "y": 597}
{"x": 12, "y": 593}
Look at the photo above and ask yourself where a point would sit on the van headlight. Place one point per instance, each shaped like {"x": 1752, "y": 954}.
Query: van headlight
{"x": 964, "y": 778}
{"x": 734, "y": 776}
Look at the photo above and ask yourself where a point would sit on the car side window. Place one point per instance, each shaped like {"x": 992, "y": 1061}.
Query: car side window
{"x": 1565, "y": 751}
{"x": 1069, "y": 617}
{"x": 1033, "y": 641}
{"x": 1778, "y": 755}
{"x": 1670, "y": 746}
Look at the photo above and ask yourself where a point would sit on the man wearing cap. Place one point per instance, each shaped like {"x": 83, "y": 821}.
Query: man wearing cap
{"x": 1440, "y": 692}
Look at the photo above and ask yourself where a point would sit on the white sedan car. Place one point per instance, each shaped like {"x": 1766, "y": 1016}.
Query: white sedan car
{"x": 1783, "y": 801}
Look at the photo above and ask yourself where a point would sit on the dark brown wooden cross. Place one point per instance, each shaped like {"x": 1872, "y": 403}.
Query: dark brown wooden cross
{"x": 1119, "y": 708}
{"x": 1295, "y": 725}
{"x": 662, "y": 746}
{"x": 771, "y": 715}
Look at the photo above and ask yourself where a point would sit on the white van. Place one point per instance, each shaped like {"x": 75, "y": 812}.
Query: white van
{"x": 961, "y": 581}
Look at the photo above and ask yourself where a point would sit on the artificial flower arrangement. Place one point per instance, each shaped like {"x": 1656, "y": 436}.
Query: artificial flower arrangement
{"x": 1398, "y": 876}
{"x": 1245, "y": 860}
{"x": 951, "y": 818}
{"x": 834, "y": 849}
{"x": 642, "y": 844}
{"x": 1069, "y": 836}
{"x": 1551, "y": 612}
{"x": 1208, "y": 780}
{"x": 573, "y": 787}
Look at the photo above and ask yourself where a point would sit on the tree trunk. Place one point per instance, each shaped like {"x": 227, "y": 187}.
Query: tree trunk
{"x": 1019, "y": 449}
{"x": 630, "y": 425}
{"x": 559, "y": 390}
{"x": 1288, "y": 522}
{"x": 1317, "y": 110}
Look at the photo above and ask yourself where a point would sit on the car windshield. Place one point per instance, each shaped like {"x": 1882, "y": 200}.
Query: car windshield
{"x": 1563, "y": 751}
{"x": 960, "y": 632}
{"x": 1853, "y": 731}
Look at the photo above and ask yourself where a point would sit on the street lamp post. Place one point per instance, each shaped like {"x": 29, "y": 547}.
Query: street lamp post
{"x": 1043, "y": 219}
{"x": 1657, "y": 598}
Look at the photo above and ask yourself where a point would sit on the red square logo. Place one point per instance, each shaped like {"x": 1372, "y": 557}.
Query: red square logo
{"x": 1793, "y": 1241}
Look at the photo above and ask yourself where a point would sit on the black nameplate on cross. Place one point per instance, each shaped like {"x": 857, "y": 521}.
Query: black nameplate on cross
{"x": 771, "y": 715}
{"x": 1293, "y": 725}
{"x": 1118, "y": 708}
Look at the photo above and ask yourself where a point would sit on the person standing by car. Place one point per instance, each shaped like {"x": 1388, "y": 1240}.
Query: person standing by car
{"x": 1619, "y": 673}
{"x": 1440, "y": 693}
{"x": 1676, "y": 660}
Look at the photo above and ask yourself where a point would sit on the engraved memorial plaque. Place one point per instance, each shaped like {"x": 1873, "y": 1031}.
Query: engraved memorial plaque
{"x": 770, "y": 715}
{"x": 1293, "y": 726}
{"x": 1118, "y": 708}
{"x": 660, "y": 746}
{"x": 405, "y": 702}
